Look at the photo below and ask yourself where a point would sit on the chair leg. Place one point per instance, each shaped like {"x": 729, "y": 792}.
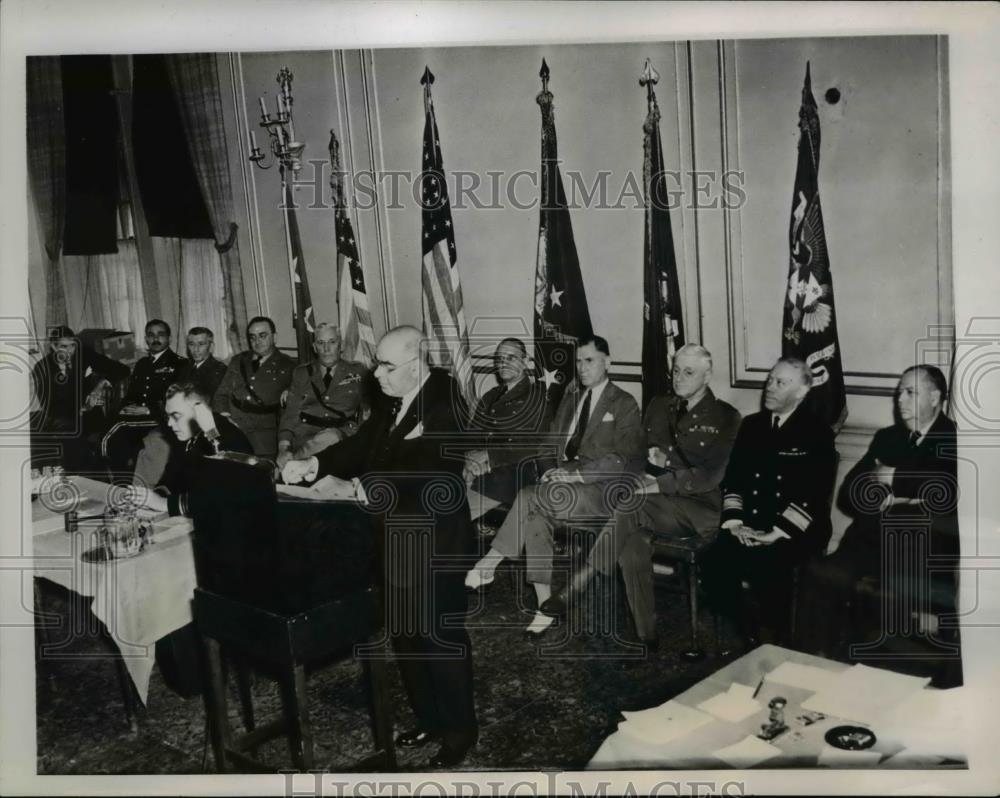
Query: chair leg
{"x": 693, "y": 602}
{"x": 296, "y": 704}
{"x": 215, "y": 705}
{"x": 382, "y": 711}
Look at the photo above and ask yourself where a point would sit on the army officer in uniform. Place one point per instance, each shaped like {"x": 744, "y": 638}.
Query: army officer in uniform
{"x": 688, "y": 437}
{"x": 256, "y": 383}
{"x": 506, "y": 415}
{"x": 323, "y": 401}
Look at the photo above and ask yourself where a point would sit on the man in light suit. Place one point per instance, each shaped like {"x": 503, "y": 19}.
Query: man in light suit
{"x": 398, "y": 464}
{"x": 597, "y": 437}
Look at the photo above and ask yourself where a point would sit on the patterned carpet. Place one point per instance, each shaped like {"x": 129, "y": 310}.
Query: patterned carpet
{"x": 546, "y": 705}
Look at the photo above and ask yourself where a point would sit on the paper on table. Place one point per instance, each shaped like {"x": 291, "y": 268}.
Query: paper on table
{"x": 806, "y": 677}
{"x": 734, "y": 705}
{"x": 929, "y": 722}
{"x": 663, "y": 723}
{"x": 864, "y": 694}
{"x": 747, "y": 752}
{"x": 320, "y": 491}
{"x": 836, "y": 757}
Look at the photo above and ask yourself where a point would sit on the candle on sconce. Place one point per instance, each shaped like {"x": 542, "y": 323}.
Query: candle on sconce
{"x": 263, "y": 108}
{"x": 253, "y": 143}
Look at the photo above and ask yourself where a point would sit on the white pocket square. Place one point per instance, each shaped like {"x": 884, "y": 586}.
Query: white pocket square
{"x": 416, "y": 432}
{"x": 608, "y": 417}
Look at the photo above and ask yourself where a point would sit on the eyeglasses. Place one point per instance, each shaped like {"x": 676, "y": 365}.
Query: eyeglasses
{"x": 391, "y": 367}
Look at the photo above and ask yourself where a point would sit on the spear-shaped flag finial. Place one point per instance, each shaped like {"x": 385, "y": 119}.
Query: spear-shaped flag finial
{"x": 427, "y": 78}
{"x": 543, "y": 73}
{"x": 649, "y": 77}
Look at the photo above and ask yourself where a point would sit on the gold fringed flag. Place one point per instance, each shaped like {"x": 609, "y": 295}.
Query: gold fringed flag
{"x": 810, "y": 320}
{"x": 562, "y": 317}
{"x": 662, "y": 323}
{"x": 443, "y": 311}
{"x": 357, "y": 334}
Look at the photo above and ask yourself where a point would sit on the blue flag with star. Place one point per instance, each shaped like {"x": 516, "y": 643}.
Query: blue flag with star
{"x": 562, "y": 317}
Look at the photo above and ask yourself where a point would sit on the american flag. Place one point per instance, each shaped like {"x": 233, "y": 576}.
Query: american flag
{"x": 304, "y": 321}
{"x": 444, "y": 316}
{"x": 356, "y": 332}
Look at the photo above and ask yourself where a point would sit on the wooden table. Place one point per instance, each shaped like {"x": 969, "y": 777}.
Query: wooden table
{"x": 694, "y": 750}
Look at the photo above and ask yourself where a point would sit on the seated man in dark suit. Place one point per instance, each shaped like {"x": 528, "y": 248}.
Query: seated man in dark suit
{"x": 906, "y": 479}
{"x": 775, "y": 505}
{"x": 202, "y": 367}
{"x": 598, "y": 437}
{"x": 398, "y": 459}
{"x": 689, "y": 435}
{"x": 70, "y": 388}
{"x": 198, "y": 433}
{"x": 507, "y": 414}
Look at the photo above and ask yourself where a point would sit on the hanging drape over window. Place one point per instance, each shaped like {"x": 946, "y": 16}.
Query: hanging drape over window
{"x": 47, "y": 171}
{"x": 105, "y": 291}
{"x": 196, "y": 84}
{"x": 191, "y": 289}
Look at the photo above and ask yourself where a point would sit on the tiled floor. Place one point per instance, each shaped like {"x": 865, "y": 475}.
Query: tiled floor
{"x": 538, "y": 708}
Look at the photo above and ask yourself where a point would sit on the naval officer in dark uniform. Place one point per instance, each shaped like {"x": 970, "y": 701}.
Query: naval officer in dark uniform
{"x": 506, "y": 416}
{"x": 153, "y": 373}
{"x": 203, "y": 368}
{"x": 323, "y": 401}
{"x": 688, "y": 439}
{"x": 775, "y": 504}
{"x": 255, "y": 386}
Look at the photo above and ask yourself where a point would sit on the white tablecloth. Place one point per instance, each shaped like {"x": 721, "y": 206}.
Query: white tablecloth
{"x": 140, "y": 599}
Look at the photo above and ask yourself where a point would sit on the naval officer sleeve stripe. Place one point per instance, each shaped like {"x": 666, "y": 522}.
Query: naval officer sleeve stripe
{"x": 794, "y": 519}
{"x": 732, "y": 507}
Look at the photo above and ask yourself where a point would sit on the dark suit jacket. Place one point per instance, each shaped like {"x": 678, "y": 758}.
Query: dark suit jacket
{"x": 60, "y": 399}
{"x": 150, "y": 380}
{"x": 783, "y": 479}
{"x": 926, "y": 472}
{"x": 415, "y": 488}
{"x": 207, "y": 376}
{"x": 612, "y": 442}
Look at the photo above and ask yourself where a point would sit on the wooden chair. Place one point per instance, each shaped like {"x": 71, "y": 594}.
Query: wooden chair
{"x": 686, "y": 552}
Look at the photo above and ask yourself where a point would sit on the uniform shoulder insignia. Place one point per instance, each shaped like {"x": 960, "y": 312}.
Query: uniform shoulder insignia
{"x": 355, "y": 377}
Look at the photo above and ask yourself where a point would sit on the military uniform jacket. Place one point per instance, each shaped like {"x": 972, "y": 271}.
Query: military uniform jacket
{"x": 150, "y": 379}
{"x": 782, "y": 479}
{"x": 337, "y": 406}
{"x": 415, "y": 489}
{"x": 612, "y": 442}
{"x": 208, "y": 376}
{"x": 506, "y": 418}
{"x": 696, "y": 446}
{"x": 254, "y": 400}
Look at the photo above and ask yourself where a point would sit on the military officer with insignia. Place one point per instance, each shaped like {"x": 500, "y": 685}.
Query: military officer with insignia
{"x": 506, "y": 415}
{"x": 153, "y": 373}
{"x": 323, "y": 401}
{"x": 775, "y": 505}
{"x": 689, "y": 436}
{"x": 255, "y": 386}
{"x": 203, "y": 368}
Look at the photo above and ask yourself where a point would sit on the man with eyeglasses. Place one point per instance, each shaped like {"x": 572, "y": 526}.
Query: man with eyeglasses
{"x": 323, "y": 400}
{"x": 506, "y": 416}
{"x": 255, "y": 387}
{"x": 398, "y": 463}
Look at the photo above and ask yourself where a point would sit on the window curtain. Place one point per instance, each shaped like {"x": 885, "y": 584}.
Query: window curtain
{"x": 195, "y": 82}
{"x": 47, "y": 172}
{"x": 192, "y": 290}
{"x": 105, "y": 291}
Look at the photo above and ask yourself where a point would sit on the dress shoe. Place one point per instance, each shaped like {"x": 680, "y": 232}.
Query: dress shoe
{"x": 554, "y": 606}
{"x": 448, "y": 756}
{"x": 414, "y": 738}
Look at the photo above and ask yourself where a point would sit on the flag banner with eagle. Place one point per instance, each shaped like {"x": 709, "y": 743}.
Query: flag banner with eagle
{"x": 357, "y": 335}
{"x": 443, "y": 311}
{"x": 562, "y": 317}
{"x": 303, "y": 315}
{"x": 810, "y": 320}
{"x": 662, "y": 324}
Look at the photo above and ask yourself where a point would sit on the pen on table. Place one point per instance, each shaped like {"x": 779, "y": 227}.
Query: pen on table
{"x": 759, "y": 685}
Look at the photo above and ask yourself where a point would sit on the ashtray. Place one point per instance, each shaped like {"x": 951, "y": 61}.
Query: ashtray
{"x": 850, "y": 738}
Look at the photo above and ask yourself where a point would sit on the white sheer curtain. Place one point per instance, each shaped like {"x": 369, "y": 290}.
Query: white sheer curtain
{"x": 105, "y": 291}
{"x": 191, "y": 289}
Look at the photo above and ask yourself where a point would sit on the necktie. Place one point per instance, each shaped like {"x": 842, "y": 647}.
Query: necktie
{"x": 573, "y": 445}
{"x": 774, "y": 424}
{"x": 682, "y": 408}
{"x": 255, "y": 364}
{"x": 394, "y": 407}
{"x": 914, "y": 439}
{"x": 327, "y": 379}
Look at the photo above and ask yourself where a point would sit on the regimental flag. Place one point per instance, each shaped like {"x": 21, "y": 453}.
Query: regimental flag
{"x": 662, "y": 322}
{"x": 356, "y": 332}
{"x": 561, "y": 314}
{"x": 303, "y": 316}
{"x": 444, "y": 315}
{"x": 810, "y": 321}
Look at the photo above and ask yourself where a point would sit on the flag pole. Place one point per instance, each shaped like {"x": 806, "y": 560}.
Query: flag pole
{"x": 285, "y": 194}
